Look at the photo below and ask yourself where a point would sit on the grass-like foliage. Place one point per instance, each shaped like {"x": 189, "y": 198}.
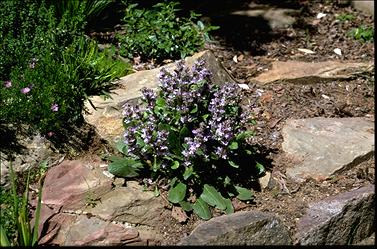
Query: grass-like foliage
{"x": 159, "y": 33}
{"x": 192, "y": 136}
{"x": 26, "y": 235}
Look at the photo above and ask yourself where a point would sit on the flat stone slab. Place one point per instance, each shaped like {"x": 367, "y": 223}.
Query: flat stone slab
{"x": 366, "y": 6}
{"x": 107, "y": 118}
{"x": 71, "y": 184}
{"x": 343, "y": 219}
{"x": 321, "y": 147}
{"x": 129, "y": 204}
{"x": 276, "y": 17}
{"x": 309, "y": 72}
{"x": 241, "y": 228}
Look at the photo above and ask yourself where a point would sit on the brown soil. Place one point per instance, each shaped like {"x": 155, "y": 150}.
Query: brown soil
{"x": 256, "y": 49}
{"x": 282, "y": 101}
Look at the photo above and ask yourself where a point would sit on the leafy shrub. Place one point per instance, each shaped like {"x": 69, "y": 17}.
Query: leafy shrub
{"x": 158, "y": 33}
{"x": 48, "y": 67}
{"x": 192, "y": 133}
{"x": 362, "y": 33}
{"x": 50, "y": 94}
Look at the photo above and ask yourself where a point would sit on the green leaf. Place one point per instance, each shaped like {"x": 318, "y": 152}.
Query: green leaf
{"x": 175, "y": 165}
{"x": 4, "y": 242}
{"x": 201, "y": 208}
{"x": 260, "y": 169}
{"x": 174, "y": 143}
{"x": 186, "y": 206}
{"x": 233, "y": 164}
{"x": 226, "y": 181}
{"x": 177, "y": 193}
{"x": 156, "y": 192}
{"x": 245, "y": 134}
{"x": 244, "y": 194}
{"x": 184, "y": 132}
{"x": 160, "y": 102}
{"x": 195, "y": 110}
{"x": 125, "y": 167}
{"x": 213, "y": 197}
{"x": 205, "y": 116}
{"x": 233, "y": 145}
{"x": 120, "y": 146}
{"x": 188, "y": 172}
{"x": 229, "y": 206}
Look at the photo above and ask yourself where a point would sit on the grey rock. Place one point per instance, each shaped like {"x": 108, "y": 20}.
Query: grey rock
{"x": 241, "y": 228}
{"x": 371, "y": 240}
{"x": 96, "y": 232}
{"x": 364, "y": 6}
{"x": 343, "y": 219}
{"x": 308, "y": 72}
{"x": 107, "y": 118}
{"x": 34, "y": 149}
{"x": 321, "y": 147}
{"x": 129, "y": 204}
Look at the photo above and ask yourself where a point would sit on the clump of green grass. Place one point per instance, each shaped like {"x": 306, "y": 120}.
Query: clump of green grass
{"x": 363, "y": 33}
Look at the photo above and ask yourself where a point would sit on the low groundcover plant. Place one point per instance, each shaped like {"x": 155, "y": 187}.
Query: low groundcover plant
{"x": 191, "y": 135}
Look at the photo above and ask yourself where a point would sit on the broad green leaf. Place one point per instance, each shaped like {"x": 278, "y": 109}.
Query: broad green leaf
{"x": 244, "y": 194}
{"x": 201, "y": 208}
{"x": 260, "y": 169}
{"x": 175, "y": 165}
{"x": 177, "y": 193}
{"x": 213, "y": 197}
{"x": 188, "y": 172}
{"x": 233, "y": 164}
{"x": 229, "y": 206}
{"x": 233, "y": 145}
{"x": 125, "y": 167}
{"x": 186, "y": 206}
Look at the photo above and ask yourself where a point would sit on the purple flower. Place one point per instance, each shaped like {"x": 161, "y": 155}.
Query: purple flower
{"x": 54, "y": 107}
{"x": 25, "y": 90}
{"x": 149, "y": 95}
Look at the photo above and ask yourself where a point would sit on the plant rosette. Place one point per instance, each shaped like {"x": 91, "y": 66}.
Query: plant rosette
{"x": 192, "y": 134}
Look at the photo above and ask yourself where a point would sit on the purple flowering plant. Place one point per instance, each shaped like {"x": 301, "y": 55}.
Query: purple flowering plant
{"x": 192, "y": 133}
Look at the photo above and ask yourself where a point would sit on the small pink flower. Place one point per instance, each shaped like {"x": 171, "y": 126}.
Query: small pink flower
{"x": 50, "y": 133}
{"x": 8, "y": 84}
{"x": 25, "y": 90}
{"x": 54, "y": 107}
